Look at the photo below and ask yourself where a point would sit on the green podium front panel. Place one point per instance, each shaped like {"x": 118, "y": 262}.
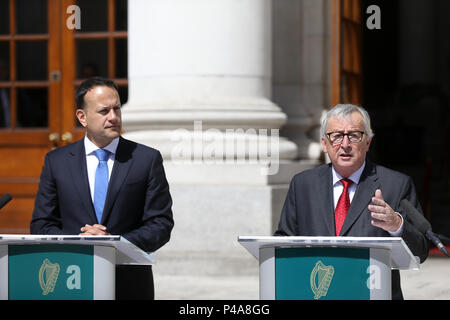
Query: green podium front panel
{"x": 322, "y": 273}
{"x": 50, "y": 272}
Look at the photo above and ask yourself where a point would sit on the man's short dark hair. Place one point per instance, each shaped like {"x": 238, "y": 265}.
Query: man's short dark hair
{"x": 90, "y": 83}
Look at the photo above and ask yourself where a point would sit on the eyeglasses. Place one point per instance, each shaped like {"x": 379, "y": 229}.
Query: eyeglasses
{"x": 338, "y": 137}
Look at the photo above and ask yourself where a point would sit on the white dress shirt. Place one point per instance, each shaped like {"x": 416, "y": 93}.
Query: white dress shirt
{"x": 92, "y": 160}
{"x": 355, "y": 177}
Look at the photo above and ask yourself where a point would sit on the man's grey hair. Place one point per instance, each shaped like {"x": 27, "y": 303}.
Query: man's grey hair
{"x": 342, "y": 111}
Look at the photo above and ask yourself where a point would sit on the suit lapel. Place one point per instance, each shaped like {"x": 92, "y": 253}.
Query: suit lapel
{"x": 326, "y": 207}
{"x": 122, "y": 164}
{"x": 363, "y": 196}
{"x": 78, "y": 169}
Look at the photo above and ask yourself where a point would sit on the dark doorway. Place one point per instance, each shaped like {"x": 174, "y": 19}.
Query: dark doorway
{"x": 406, "y": 68}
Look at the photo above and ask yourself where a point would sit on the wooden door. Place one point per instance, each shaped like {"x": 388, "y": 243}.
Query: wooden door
{"x": 346, "y": 79}
{"x": 98, "y": 48}
{"x": 29, "y": 38}
{"x": 41, "y": 63}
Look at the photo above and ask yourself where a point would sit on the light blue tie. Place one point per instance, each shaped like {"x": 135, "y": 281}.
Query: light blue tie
{"x": 101, "y": 182}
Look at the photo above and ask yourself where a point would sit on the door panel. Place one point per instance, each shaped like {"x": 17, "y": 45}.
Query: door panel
{"x": 42, "y": 61}
{"x": 346, "y": 52}
{"x": 99, "y": 48}
{"x": 23, "y": 163}
{"x": 26, "y": 44}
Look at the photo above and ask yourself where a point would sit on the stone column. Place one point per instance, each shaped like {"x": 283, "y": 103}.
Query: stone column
{"x": 302, "y": 69}
{"x": 201, "y": 60}
{"x": 199, "y": 91}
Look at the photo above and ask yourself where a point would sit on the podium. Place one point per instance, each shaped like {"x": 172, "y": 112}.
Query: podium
{"x": 334, "y": 268}
{"x": 47, "y": 267}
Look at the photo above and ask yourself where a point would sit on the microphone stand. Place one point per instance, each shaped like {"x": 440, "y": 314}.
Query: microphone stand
{"x": 437, "y": 239}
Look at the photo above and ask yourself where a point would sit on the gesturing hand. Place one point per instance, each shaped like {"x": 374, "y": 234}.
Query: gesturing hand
{"x": 386, "y": 217}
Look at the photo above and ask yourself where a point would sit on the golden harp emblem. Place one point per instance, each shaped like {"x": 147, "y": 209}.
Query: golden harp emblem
{"x": 48, "y": 275}
{"x": 320, "y": 279}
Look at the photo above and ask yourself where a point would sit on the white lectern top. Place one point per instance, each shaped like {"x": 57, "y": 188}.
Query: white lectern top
{"x": 126, "y": 252}
{"x": 401, "y": 257}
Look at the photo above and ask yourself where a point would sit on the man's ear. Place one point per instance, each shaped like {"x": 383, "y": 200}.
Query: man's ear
{"x": 81, "y": 116}
{"x": 369, "y": 140}
{"x": 324, "y": 145}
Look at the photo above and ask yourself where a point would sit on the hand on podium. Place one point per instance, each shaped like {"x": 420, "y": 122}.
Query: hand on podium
{"x": 95, "y": 230}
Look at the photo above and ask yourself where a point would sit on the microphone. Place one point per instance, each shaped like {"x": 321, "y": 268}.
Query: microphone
{"x": 5, "y": 199}
{"x": 422, "y": 224}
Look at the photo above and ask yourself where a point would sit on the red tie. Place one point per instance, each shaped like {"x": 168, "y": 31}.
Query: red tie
{"x": 342, "y": 206}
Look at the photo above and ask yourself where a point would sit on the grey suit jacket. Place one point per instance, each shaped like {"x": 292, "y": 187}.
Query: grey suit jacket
{"x": 308, "y": 209}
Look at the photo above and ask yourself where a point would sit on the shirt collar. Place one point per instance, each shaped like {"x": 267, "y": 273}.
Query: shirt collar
{"x": 355, "y": 176}
{"x": 90, "y": 147}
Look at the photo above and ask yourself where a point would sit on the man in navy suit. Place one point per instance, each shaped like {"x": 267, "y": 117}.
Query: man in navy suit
{"x": 374, "y": 192}
{"x": 135, "y": 202}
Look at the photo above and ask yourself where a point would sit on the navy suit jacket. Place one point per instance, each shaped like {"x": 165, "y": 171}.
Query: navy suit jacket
{"x": 309, "y": 208}
{"x": 138, "y": 203}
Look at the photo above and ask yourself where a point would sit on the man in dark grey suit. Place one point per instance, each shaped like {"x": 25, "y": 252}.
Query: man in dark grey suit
{"x": 374, "y": 192}
{"x": 128, "y": 196}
